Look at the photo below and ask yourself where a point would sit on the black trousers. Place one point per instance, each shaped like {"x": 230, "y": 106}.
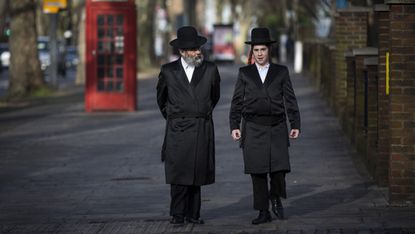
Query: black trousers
{"x": 185, "y": 201}
{"x": 262, "y": 195}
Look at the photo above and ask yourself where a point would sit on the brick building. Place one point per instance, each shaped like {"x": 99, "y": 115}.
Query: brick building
{"x": 373, "y": 90}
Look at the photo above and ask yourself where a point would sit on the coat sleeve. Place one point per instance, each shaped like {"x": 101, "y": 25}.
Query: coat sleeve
{"x": 215, "y": 90}
{"x": 291, "y": 102}
{"x": 162, "y": 93}
{"x": 235, "y": 113}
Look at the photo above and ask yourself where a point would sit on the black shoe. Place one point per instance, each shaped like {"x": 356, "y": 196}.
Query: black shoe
{"x": 195, "y": 221}
{"x": 277, "y": 208}
{"x": 177, "y": 220}
{"x": 263, "y": 217}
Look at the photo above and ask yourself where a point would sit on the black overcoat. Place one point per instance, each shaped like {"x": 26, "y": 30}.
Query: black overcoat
{"x": 189, "y": 149}
{"x": 265, "y": 146}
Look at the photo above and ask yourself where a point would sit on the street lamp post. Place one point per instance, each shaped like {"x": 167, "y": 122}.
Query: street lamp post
{"x": 53, "y": 50}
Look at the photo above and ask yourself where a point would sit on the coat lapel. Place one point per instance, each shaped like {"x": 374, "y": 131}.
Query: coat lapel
{"x": 254, "y": 75}
{"x": 198, "y": 74}
{"x": 272, "y": 71}
{"x": 181, "y": 77}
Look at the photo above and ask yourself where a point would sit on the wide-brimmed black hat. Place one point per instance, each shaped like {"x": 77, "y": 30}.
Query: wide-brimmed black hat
{"x": 187, "y": 37}
{"x": 260, "y": 36}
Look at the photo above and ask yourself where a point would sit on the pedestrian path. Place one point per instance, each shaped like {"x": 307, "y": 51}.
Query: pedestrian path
{"x": 66, "y": 171}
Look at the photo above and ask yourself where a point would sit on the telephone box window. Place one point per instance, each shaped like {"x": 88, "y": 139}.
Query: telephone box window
{"x": 110, "y": 49}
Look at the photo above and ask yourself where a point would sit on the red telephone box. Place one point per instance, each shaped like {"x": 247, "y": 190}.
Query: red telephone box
{"x": 111, "y": 55}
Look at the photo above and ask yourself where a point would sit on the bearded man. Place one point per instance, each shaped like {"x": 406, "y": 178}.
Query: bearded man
{"x": 187, "y": 91}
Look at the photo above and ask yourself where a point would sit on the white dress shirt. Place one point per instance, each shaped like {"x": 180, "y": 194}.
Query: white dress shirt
{"x": 189, "y": 69}
{"x": 262, "y": 70}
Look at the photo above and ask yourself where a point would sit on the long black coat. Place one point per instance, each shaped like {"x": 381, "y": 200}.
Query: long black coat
{"x": 265, "y": 146}
{"x": 189, "y": 148}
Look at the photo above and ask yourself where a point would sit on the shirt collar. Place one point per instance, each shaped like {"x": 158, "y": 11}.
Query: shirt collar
{"x": 266, "y": 66}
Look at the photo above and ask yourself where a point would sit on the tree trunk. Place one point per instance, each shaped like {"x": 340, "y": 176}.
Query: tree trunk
{"x": 4, "y": 9}
{"x": 145, "y": 30}
{"x": 25, "y": 72}
{"x": 166, "y": 35}
{"x": 80, "y": 69}
{"x": 42, "y": 21}
{"x": 190, "y": 10}
{"x": 150, "y": 29}
{"x": 244, "y": 17}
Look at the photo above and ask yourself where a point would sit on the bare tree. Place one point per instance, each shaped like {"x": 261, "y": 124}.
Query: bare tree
{"x": 242, "y": 12}
{"x": 190, "y": 10}
{"x": 271, "y": 14}
{"x": 25, "y": 73}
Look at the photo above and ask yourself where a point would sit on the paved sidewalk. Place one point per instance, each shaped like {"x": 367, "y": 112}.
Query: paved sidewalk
{"x": 66, "y": 171}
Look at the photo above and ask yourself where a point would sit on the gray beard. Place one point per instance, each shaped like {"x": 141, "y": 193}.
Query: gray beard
{"x": 194, "y": 61}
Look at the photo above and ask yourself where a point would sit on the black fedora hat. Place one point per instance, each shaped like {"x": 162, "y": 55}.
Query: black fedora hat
{"x": 260, "y": 36}
{"x": 187, "y": 37}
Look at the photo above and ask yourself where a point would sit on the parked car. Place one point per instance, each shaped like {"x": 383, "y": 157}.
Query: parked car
{"x": 43, "y": 52}
{"x": 44, "y": 55}
{"x": 71, "y": 57}
{"x": 4, "y": 55}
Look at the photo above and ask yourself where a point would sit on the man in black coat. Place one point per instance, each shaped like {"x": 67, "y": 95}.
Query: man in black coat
{"x": 262, "y": 99}
{"x": 187, "y": 91}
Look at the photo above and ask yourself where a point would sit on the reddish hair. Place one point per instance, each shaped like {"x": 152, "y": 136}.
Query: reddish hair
{"x": 250, "y": 58}
{"x": 251, "y": 54}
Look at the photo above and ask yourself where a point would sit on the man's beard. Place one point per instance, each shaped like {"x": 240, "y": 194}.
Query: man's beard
{"x": 193, "y": 61}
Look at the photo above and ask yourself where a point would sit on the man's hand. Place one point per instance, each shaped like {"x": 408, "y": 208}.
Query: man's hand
{"x": 236, "y": 134}
{"x": 294, "y": 133}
